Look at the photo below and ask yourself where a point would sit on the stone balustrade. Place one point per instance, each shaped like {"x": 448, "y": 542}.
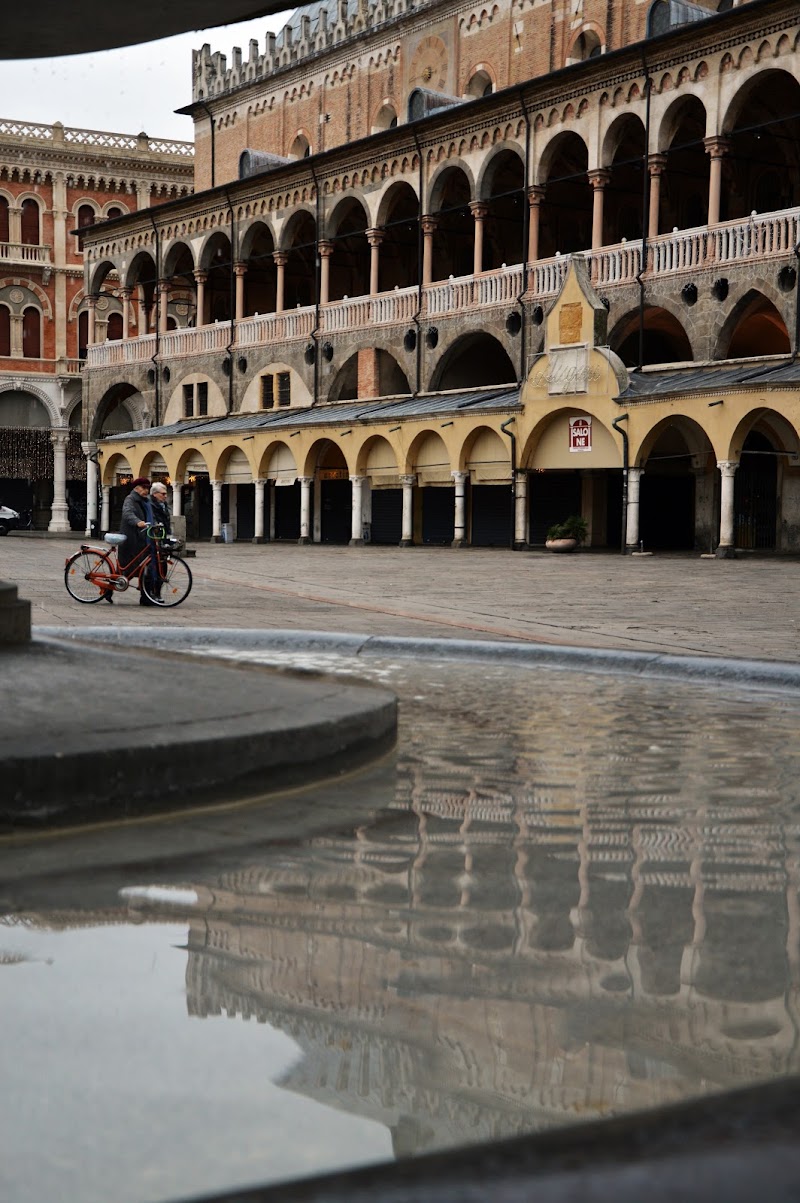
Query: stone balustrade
{"x": 23, "y": 252}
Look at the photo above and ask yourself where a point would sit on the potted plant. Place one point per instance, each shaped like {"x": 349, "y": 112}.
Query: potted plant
{"x": 567, "y": 535}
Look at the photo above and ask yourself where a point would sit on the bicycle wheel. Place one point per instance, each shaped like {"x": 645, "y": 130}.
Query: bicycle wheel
{"x": 78, "y": 568}
{"x": 173, "y": 585}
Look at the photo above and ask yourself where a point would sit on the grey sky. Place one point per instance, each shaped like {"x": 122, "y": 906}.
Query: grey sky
{"x": 123, "y": 91}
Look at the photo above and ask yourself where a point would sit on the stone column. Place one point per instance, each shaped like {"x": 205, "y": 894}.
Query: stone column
{"x": 15, "y": 223}
{"x": 520, "y": 509}
{"x": 216, "y": 511}
{"x": 90, "y": 451}
{"x": 325, "y": 251}
{"x": 305, "y": 508}
{"x": 200, "y": 298}
{"x": 479, "y": 211}
{"x": 536, "y": 196}
{"x": 239, "y": 271}
{"x": 177, "y": 498}
{"x": 632, "y": 523}
{"x": 599, "y": 179}
{"x": 105, "y": 514}
{"x": 59, "y": 519}
{"x": 163, "y": 305}
{"x": 407, "y": 529}
{"x": 258, "y": 533}
{"x": 280, "y": 258}
{"x": 656, "y": 165}
{"x": 429, "y": 228}
{"x": 727, "y": 517}
{"x": 716, "y": 148}
{"x": 374, "y": 238}
{"x": 460, "y": 533}
{"x": 125, "y": 298}
{"x": 357, "y": 512}
{"x": 91, "y": 309}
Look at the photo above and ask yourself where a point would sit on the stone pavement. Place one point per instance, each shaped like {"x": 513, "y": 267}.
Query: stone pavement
{"x": 749, "y": 607}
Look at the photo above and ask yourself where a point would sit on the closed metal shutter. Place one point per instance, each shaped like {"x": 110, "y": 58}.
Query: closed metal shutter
{"x": 553, "y": 496}
{"x": 337, "y": 507}
{"x": 287, "y": 511}
{"x": 387, "y": 516}
{"x": 491, "y": 515}
{"x": 438, "y": 516}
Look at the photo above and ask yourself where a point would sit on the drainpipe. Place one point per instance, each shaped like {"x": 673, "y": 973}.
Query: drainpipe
{"x": 202, "y": 104}
{"x": 315, "y": 333}
{"x": 645, "y": 207}
{"x": 526, "y": 222}
{"x": 418, "y": 313}
{"x": 231, "y": 301}
{"x": 625, "y": 466}
{"x": 157, "y": 291}
{"x": 513, "y": 439}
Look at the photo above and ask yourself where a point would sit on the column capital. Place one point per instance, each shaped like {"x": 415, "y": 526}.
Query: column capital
{"x": 260, "y": 482}
{"x": 717, "y": 146}
{"x": 429, "y": 223}
{"x": 408, "y": 480}
{"x": 656, "y": 164}
{"x": 637, "y": 472}
{"x": 460, "y": 477}
{"x": 599, "y": 177}
{"x": 357, "y": 480}
{"x": 324, "y": 247}
{"x": 125, "y": 294}
{"x": 200, "y": 276}
{"x": 727, "y": 466}
{"x": 164, "y": 285}
{"x": 479, "y": 209}
{"x": 375, "y": 236}
{"x": 91, "y": 300}
{"x": 306, "y": 480}
{"x": 240, "y": 269}
{"x": 280, "y": 258}
{"x": 536, "y": 194}
{"x": 59, "y": 436}
{"x": 217, "y": 484}
{"x": 88, "y": 448}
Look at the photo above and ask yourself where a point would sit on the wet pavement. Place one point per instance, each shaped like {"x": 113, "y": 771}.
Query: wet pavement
{"x": 565, "y": 897}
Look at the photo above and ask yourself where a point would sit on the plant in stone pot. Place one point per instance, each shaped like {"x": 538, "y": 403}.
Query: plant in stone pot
{"x": 567, "y": 535}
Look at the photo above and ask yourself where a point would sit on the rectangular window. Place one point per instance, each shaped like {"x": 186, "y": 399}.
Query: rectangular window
{"x": 188, "y": 400}
{"x": 202, "y": 399}
{"x": 284, "y": 388}
{"x": 267, "y": 392}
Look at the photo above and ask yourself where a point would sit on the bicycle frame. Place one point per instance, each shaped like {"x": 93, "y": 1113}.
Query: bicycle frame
{"x": 117, "y": 577}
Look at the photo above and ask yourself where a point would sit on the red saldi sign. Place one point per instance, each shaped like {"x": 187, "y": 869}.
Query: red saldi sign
{"x": 580, "y": 434}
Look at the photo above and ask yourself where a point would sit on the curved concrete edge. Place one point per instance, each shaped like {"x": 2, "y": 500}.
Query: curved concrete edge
{"x": 704, "y": 669}
{"x": 242, "y": 729}
{"x": 739, "y": 1147}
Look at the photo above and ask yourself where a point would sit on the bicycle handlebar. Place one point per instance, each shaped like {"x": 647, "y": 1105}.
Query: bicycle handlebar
{"x": 155, "y": 531}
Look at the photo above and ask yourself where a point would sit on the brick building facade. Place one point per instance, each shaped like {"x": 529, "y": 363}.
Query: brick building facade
{"x": 427, "y": 240}
{"x": 53, "y": 181}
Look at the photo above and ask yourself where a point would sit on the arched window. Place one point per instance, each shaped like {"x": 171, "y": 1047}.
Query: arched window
{"x": 300, "y": 148}
{"x": 3, "y": 219}
{"x": 479, "y": 85}
{"x": 5, "y": 330}
{"x": 86, "y": 216}
{"x": 113, "y": 212}
{"x": 385, "y": 118}
{"x": 30, "y": 222}
{"x": 587, "y": 46}
{"x": 114, "y": 327}
{"x": 83, "y": 333}
{"x": 31, "y": 333}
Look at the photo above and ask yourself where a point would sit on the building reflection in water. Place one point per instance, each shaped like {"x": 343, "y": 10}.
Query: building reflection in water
{"x": 586, "y": 904}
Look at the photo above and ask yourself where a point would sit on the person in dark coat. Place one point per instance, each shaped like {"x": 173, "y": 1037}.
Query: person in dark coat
{"x": 136, "y": 517}
{"x": 158, "y": 502}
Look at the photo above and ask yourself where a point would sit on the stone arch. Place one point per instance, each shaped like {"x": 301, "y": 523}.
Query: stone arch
{"x": 51, "y": 410}
{"x": 141, "y": 270}
{"x": 188, "y": 460}
{"x": 325, "y": 452}
{"x": 565, "y": 223}
{"x": 754, "y": 328}
{"x": 175, "y": 255}
{"x": 115, "y": 463}
{"x": 439, "y": 185}
{"x": 675, "y": 115}
{"x": 483, "y": 447}
{"x": 481, "y": 81}
{"x": 385, "y": 117}
{"x": 376, "y": 457}
{"x": 428, "y": 456}
{"x": 586, "y": 43}
{"x": 665, "y": 338}
{"x": 762, "y": 131}
{"x": 98, "y": 273}
{"x": 389, "y": 379}
{"x": 121, "y": 408}
{"x": 473, "y": 360}
{"x": 278, "y": 462}
{"x": 233, "y": 466}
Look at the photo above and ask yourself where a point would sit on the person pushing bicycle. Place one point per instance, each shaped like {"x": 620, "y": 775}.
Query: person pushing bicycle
{"x": 137, "y": 518}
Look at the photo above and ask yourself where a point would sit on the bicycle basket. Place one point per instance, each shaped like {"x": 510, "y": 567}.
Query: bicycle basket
{"x": 173, "y": 543}
{"x": 114, "y": 538}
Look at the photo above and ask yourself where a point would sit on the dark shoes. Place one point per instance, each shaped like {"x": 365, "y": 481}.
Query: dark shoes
{"x": 145, "y": 601}
{"x": 109, "y": 597}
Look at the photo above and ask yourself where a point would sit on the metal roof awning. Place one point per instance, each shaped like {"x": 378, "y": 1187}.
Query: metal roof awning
{"x": 334, "y": 414}
{"x": 653, "y": 386}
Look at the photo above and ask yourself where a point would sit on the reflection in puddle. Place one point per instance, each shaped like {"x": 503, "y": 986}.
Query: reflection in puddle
{"x": 581, "y": 898}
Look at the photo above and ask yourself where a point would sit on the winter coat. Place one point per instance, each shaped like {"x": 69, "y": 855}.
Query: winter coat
{"x": 135, "y": 509}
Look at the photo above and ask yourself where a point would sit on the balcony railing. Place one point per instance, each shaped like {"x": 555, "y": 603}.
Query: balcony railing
{"x": 683, "y": 251}
{"x": 23, "y": 252}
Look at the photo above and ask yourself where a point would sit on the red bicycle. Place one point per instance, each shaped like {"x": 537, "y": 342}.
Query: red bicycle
{"x": 159, "y": 573}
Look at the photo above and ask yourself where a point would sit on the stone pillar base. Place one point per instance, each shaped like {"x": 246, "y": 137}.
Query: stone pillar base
{"x": 259, "y": 539}
{"x": 725, "y": 553}
{"x": 459, "y": 543}
{"x": 519, "y": 545}
{"x": 630, "y": 548}
{"x": 406, "y": 543}
{"x": 59, "y": 518}
{"x": 303, "y": 540}
{"x": 356, "y": 543}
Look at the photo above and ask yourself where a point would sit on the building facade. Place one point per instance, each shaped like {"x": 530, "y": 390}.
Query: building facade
{"x": 455, "y": 273}
{"x": 54, "y": 181}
